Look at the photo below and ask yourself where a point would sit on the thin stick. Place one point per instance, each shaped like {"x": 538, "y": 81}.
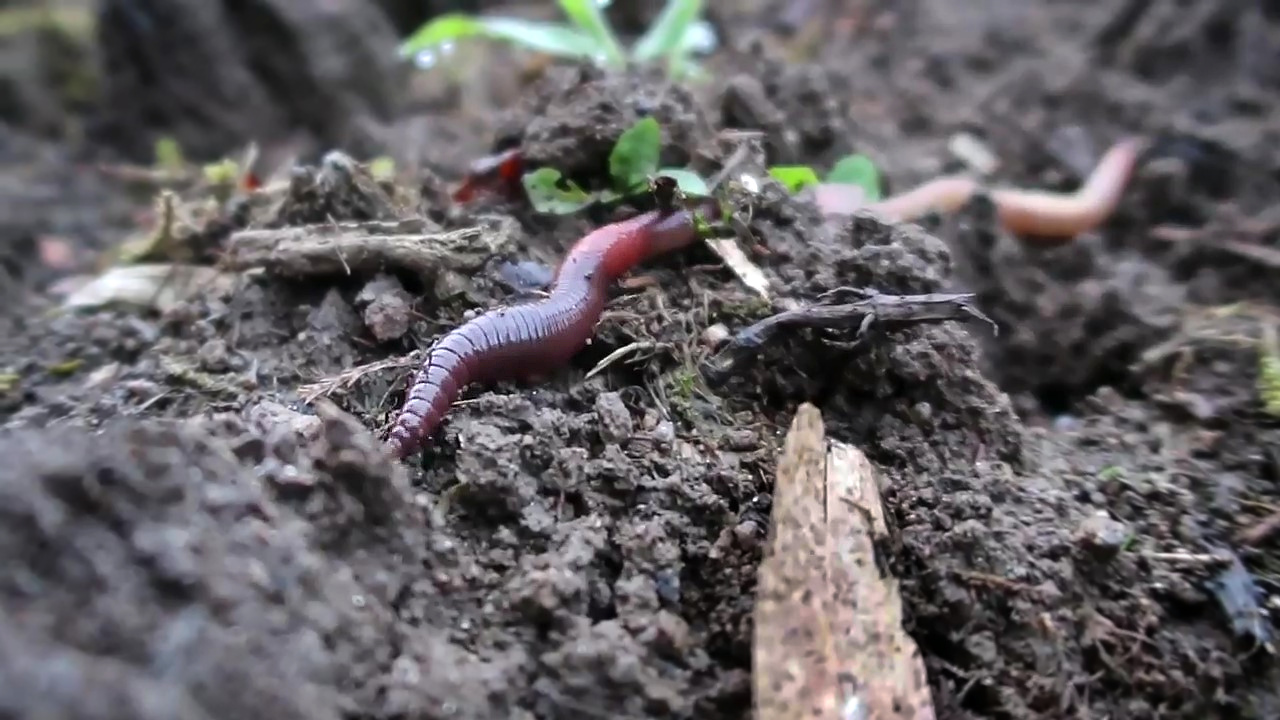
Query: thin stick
{"x": 854, "y": 309}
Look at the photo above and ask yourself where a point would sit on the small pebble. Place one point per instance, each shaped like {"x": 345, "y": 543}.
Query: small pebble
{"x": 268, "y": 414}
{"x": 388, "y": 316}
{"x": 664, "y": 433}
{"x": 214, "y": 356}
{"x": 716, "y": 335}
{"x": 668, "y": 634}
{"x": 740, "y": 441}
{"x": 526, "y": 275}
{"x": 747, "y": 534}
{"x": 450, "y": 284}
{"x": 1102, "y": 535}
{"x": 615, "y": 423}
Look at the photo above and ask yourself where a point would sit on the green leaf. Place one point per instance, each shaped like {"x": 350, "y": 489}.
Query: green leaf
{"x": 794, "y": 177}
{"x": 689, "y": 182}
{"x": 667, "y": 33}
{"x": 635, "y": 155}
{"x": 543, "y": 187}
{"x": 590, "y": 19}
{"x": 857, "y": 170}
{"x": 168, "y": 154}
{"x": 551, "y": 38}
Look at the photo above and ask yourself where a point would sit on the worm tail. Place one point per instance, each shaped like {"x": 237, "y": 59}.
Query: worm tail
{"x": 443, "y": 374}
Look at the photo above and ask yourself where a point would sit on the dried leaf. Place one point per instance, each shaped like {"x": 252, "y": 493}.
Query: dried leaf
{"x": 155, "y": 286}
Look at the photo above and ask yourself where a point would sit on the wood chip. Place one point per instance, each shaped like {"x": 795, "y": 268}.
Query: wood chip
{"x": 733, "y": 256}
{"x": 829, "y": 641}
{"x": 974, "y": 153}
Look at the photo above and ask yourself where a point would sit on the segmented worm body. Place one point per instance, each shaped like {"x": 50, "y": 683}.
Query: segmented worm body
{"x": 528, "y": 340}
{"x": 1047, "y": 217}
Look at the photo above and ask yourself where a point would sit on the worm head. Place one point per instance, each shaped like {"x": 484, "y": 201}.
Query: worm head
{"x": 666, "y": 191}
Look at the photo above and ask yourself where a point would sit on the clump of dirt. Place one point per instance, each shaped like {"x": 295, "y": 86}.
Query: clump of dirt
{"x": 237, "y": 570}
{"x": 572, "y": 118}
{"x": 1073, "y": 319}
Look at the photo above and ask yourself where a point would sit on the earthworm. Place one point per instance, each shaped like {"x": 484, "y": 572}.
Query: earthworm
{"x": 1047, "y": 216}
{"x": 528, "y": 340}
{"x": 497, "y": 174}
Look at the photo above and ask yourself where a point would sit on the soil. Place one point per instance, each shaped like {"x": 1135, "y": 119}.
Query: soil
{"x": 190, "y": 531}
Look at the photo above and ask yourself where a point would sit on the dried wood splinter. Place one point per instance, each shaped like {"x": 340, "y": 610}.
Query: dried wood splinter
{"x": 828, "y": 639}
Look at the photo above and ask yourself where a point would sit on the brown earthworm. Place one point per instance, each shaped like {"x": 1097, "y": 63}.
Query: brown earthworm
{"x": 528, "y": 340}
{"x": 1043, "y": 215}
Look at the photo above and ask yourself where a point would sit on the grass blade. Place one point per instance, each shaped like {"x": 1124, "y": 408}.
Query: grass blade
{"x": 589, "y": 18}
{"x": 667, "y": 34}
{"x": 550, "y": 38}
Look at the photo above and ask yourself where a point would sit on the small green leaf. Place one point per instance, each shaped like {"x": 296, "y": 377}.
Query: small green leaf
{"x": 168, "y": 154}
{"x": 223, "y": 172}
{"x": 382, "y": 167}
{"x": 689, "y": 182}
{"x": 590, "y": 19}
{"x": 543, "y": 187}
{"x": 635, "y": 155}
{"x": 667, "y": 33}
{"x": 794, "y": 177}
{"x": 857, "y": 170}
{"x": 551, "y": 38}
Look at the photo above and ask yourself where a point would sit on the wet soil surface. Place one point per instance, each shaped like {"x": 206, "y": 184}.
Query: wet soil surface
{"x": 196, "y": 524}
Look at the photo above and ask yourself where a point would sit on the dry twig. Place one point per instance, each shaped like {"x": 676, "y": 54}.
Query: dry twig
{"x": 348, "y": 378}
{"x": 844, "y": 309}
{"x": 829, "y": 641}
{"x": 365, "y": 248}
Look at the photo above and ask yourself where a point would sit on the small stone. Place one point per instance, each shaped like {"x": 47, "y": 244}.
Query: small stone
{"x": 747, "y": 534}
{"x": 740, "y": 440}
{"x": 668, "y": 634}
{"x": 388, "y": 308}
{"x": 268, "y": 415}
{"x": 333, "y": 317}
{"x": 664, "y": 433}
{"x": 1102, "y": 535}
{"x": 615, "y": 420}
{"x": 214, "y": 356}
{"x": 716, "y": 334}
{"x": 450, "y": 284}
